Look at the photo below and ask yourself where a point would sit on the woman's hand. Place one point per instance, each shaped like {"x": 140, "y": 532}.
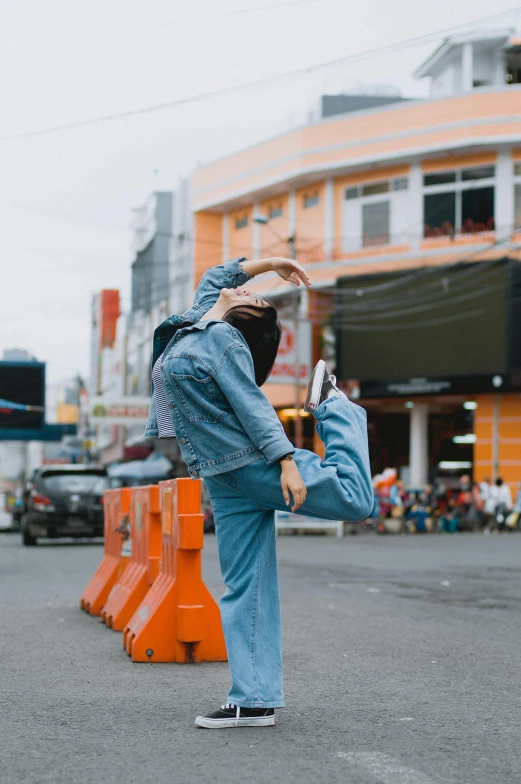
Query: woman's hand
{"x": 292, "y": 482}
{"x": 289, "y": 269}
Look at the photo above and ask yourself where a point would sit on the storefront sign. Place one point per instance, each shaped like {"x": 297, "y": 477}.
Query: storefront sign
{"x": 123, "y": 411}
{"x": 415, "y": 387}
{"x": 284, "y": 369}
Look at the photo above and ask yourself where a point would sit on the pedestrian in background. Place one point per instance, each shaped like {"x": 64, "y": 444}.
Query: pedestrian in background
{"x": 448, "y": 520}
{"x": 498, "y": 505}
{"x": 517, "y": 505}
{"x": 484, "y": 489}
{"x": 468, "y": 504}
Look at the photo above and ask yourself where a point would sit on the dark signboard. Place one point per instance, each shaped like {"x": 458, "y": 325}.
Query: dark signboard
{"x": 431, "y": 331}
{"x": 22, "y": 383}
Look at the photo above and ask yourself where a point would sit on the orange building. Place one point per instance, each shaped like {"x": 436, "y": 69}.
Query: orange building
{"x": 403, "y": 187}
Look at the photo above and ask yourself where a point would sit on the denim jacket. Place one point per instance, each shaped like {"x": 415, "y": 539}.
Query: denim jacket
{"x": 222, "y": 419}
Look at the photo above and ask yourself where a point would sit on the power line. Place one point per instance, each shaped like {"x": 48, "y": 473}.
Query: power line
{"x": 424, "y": 293}
{"x": 412, "y": 324}
{"x": 397, "y": 312}
{"x": 416, "y": 40}
{"x": 226, "y": 14}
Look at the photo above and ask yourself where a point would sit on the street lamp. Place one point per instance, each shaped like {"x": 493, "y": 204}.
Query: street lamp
{"x": 263, "y": 220}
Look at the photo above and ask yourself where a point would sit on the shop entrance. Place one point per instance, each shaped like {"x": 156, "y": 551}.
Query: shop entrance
{"x": 450, "y": 431}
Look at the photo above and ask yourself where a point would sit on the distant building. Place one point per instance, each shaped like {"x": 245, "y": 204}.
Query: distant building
{"x": 152, "y": 228}
{"x": 344, "y": 103}
{"x": 17, "y": 355}
{"x": 105, "y": 311}
{"x": 67, "y": 402}
{"x": 17, "y": 458}
{"x": 162, "y": 284}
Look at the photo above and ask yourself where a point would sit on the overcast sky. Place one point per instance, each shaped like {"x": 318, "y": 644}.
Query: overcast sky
{"x": 66, "y": 197}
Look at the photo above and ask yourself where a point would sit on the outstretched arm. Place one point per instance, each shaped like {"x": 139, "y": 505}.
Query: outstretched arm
{"x": 287, "y": 269}
{"x": 238, "y": 271}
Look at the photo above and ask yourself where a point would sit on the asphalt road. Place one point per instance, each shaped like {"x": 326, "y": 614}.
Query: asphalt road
{"x": 402, "y": 660}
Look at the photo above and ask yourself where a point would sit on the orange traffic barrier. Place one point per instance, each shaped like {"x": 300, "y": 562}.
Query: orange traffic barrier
{"x": 178, "y": 620}
{"x": 145, "y": 537}
{"x": 113, "y": 563}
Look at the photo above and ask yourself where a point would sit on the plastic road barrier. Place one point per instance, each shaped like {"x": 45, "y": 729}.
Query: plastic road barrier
{"x": 145, "y": 534}
{"x": 178, "y": 620}
{"x": 114, "y": 562}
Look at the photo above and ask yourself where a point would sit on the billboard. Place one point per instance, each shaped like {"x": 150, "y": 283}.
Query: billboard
{"x": 129, "y": 410}
{"x": 22, "y": 384}
{"x": 435, "y": 330}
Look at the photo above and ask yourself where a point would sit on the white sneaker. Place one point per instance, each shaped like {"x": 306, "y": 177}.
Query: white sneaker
{"x": 321, "y": 387}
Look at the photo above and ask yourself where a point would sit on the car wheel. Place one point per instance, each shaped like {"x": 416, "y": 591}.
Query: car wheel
{"x": 28, "y": 540}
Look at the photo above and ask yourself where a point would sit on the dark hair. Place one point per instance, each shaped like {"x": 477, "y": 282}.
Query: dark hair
{"x": 499, "y": 481}
{"x": 262, "y": 332}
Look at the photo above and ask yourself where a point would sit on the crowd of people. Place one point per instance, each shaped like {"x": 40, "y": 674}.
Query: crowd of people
{"x": 466, "y": 506}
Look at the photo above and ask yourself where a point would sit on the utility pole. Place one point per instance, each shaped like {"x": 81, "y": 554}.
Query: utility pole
{"x": 297, "y": 306}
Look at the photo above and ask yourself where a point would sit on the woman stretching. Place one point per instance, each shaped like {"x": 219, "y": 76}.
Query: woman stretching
{"x": 208, "y": 366}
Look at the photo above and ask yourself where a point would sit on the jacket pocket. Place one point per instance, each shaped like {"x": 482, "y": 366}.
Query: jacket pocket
{"x": 197, "y": 396}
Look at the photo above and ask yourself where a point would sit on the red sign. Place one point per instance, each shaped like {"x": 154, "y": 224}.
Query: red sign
{"x": 284, "y": 369}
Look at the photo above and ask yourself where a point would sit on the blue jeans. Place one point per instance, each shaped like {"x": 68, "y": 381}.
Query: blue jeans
{"x": 244, "y": 502}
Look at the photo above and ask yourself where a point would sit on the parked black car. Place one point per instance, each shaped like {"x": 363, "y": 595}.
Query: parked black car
{"x": 64, "y": 500}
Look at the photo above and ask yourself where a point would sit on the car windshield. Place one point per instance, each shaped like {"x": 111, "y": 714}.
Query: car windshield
{"x": 75, "y": 483}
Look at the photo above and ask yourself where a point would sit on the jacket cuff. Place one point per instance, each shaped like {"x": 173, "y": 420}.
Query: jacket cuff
{"x": 274, "y": 451}
{"x": 233, "y": 268}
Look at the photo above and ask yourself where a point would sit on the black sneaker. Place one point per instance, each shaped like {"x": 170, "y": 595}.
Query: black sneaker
{"x": 231, "y": 715}
{"x": 321, "y": 387}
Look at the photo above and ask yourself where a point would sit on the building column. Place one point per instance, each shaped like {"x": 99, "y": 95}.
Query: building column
{"x": 329, "y": 219}
{"x": 415, "y": 206}
{"x": 419, "y": 445}
{"x": 226, "y": 237}
{"x": 256, "y": 232}
{"x": 499, "y": 75}
{"x": 292, "y": 219}
{"x": 504, "y": 196}
{"x": 467, "y": 67}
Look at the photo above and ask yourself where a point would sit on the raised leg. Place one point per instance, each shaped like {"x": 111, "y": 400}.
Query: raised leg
{"x": 339, "y": 487}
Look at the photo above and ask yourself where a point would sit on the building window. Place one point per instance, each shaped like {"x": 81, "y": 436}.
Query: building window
{"x": 241, "y": 222}
{"x": 517, "y": 207}
{"x": 400, "y": 184}
{"x": 477, "y": 210}
{"x": 375, "y": 223}
{"x": 440, "y": 178}
{"x": 439, "y": 214}
{"x": 462, "y": 209}
{"x": 311, "y": 200}
{"x": 275, "y": 211}
{"x": 370, "y": 220}
{"x": 478, "y": 173}
{"x": 352, "y": 193}
{"x": 517, "y": 198}
{"x": 375, "y": 188}
{"x": 513, "y": 65}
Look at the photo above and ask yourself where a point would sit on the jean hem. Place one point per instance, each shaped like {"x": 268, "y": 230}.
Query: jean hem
{"x": 242, "y": 704}
{"x": 321, "y": 410}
